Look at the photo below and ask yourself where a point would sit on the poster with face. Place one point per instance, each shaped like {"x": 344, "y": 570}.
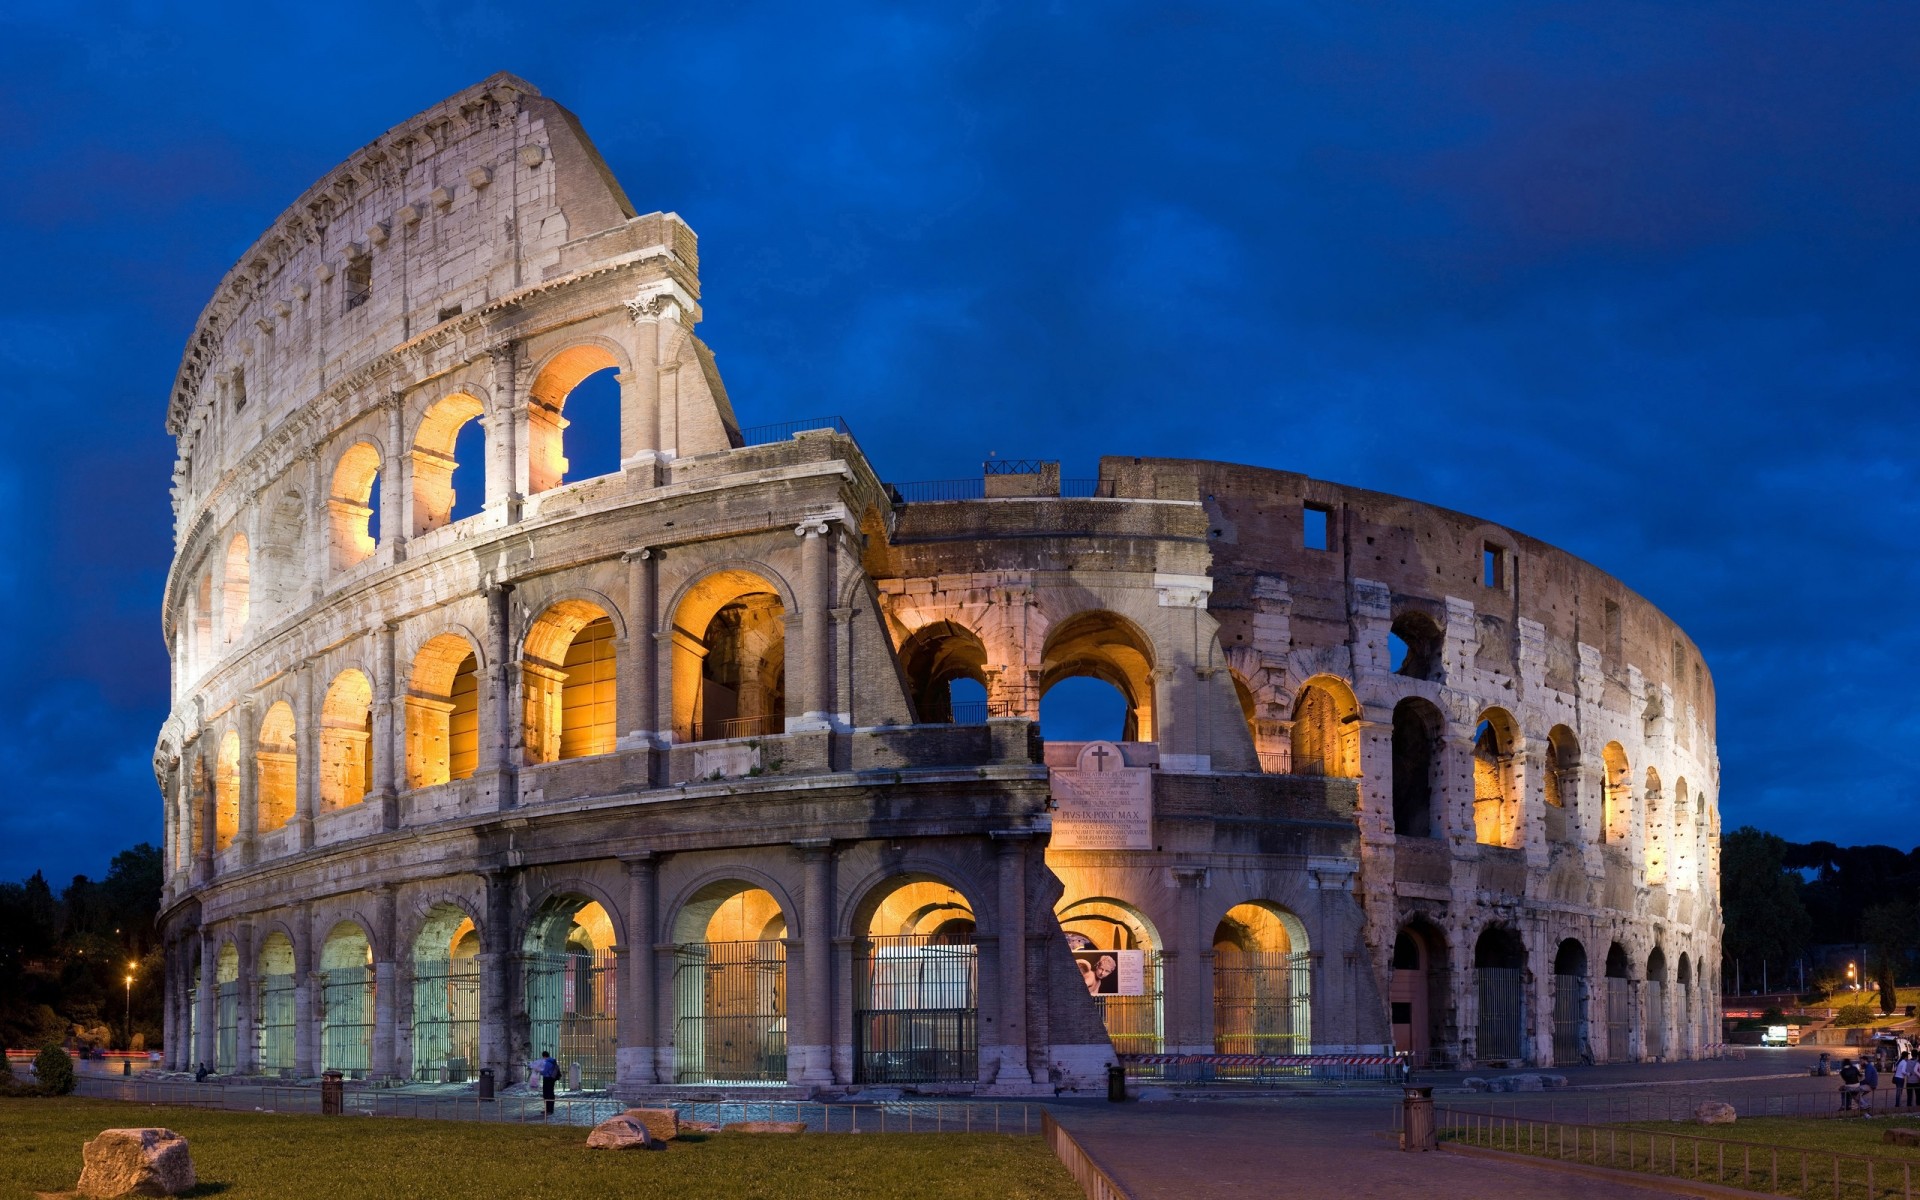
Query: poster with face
{"x": 1113, "y": 972}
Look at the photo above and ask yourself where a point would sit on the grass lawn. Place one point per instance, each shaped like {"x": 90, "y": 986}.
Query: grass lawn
{"x": 1849, "y": 1135}
{"x": 240, "y": 1156}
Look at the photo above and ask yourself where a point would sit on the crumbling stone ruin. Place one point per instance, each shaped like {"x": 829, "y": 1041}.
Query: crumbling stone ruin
{"x": 722, "y": 766}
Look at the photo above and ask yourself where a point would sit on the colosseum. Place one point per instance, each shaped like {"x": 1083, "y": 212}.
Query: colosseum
{"x": 723, "y": 767}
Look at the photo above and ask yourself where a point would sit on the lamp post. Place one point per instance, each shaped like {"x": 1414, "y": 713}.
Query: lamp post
{"x": 129, "y": 1015}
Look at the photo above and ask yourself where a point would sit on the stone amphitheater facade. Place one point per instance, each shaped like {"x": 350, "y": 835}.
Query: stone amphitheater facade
{"x": 663, "y": 770}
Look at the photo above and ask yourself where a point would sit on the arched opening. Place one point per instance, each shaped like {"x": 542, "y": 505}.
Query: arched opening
{"x": 346, "y": 1001}
{"x": 203, "y": 649}
{"x": 276, "y": 1025}
{"x": 282, "y": 567}
{"x": 729, "y": 659}
{"x": 1262, "y": 993}
{"x": 1326, "y": 730}
{"x": 1500, "y": 969}
{"x": 1654, "y": 830}
{"x": 226, "y": 1010}
{"x": 573, "y": 418}
{"x": 1688, "y": 1022}
{"x": 352, "y": 506}
{"x": 226, "y": 791}
{"x": 443, "y": 712}
{"x": 935, "y": 659}
{"x": 569, "y": 671}
{"x": 236, "y": 588}
{"x": 1085, "y": 709}
{"x": 1657, "y": 1005}
{"x": 449, "y": 463}
{"x": 1619, "y": 1006}
{"x": 1496, "y": 808}
{"x": 730, "y": 987}
{"x": 1618, "y": 801}
{"x": 573, "y": 988}
{"x": 1414, "y": 647}
{"x": 916, "y": 985}
{"x": 1417, "y": 726}
{"x": 446, "y": 996}
{"x": 1562, "y": 783}
{"x": 346, "y": 741}
{"x": 1103, "y": 646}
{"x": 1119, "y": 958}
{"x": 277, "y": 761}
{"x": 1417, "y": 995}
{"x": 1570, "y": 1004}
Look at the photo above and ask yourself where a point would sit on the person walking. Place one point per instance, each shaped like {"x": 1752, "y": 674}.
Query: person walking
{"x": 1902, "y": 1074}
{"x": 549, "y": 1076}
{"x": 1870, "y": 1080}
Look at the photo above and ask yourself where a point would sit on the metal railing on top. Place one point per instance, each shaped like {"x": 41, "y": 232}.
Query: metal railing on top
{"x": 1777, "y": 1170}
{"x": 935, "y": 491}
{"x": 1087, "y": 489}
{"x": 737, "y": 727}
{"x": 1016, "y": 466}
{"x": 781, "y": 431}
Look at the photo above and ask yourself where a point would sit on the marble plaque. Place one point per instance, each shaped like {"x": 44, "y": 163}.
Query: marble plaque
{"x": 1101, "y": 803}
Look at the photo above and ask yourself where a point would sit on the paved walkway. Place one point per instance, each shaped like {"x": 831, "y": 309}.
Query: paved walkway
{"x": 1304, "y": 1148}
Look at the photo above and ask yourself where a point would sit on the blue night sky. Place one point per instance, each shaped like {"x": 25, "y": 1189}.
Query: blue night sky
{"x": 1640, "y": 280}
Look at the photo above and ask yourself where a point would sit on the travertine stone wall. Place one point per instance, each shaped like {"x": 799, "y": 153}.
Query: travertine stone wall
{"x": 475, "y": 264}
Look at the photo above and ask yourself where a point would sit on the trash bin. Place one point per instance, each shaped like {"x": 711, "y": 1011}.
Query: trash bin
{"x": 126, "y": 1066}
{"x": 1117, "y": 1083}
{"x": 333, "y": 1093}
{"x": 1416, "y": 1120}
{"x": 486, "y": 1083}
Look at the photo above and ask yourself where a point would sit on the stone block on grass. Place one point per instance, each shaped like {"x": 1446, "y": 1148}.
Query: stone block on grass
{"x": 620, "y": 1133}
{"x": 136, "y": 1162}
{"x": 1900, "y": 1137}
{"x": 1714, "y": 1112}
{"x": 764, "y": 1127}
{"x": 662, "y": 1123}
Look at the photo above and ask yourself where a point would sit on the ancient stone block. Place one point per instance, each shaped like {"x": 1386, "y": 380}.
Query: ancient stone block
{"x": 136, "y": 1162}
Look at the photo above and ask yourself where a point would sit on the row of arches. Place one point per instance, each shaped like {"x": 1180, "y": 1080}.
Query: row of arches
{"x": 573, "y": 430}
{"x": 1623, "y": 1015}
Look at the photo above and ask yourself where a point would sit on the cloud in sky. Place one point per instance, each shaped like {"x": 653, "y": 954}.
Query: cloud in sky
{"x": 1634, "y": 279}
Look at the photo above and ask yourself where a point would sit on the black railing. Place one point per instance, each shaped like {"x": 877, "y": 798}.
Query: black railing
{"x": 1016, "y": 466}
{"x": 737, "y": 727}
{"x": 781, "y": 431}
{"x": 934, "y": 491}
{"x": 1087, "y": 489}
{"x": 971, "y": 712}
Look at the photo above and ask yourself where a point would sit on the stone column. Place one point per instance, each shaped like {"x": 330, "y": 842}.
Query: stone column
{"x": 637, "y": 701}
{"x": 385, "y": 987}
{"x": 811, "y": 1060}
{"x": 496, "y": 769}
{"x": 506, "y": 420}
{"x": 246, "y": 839}
{"x": 816, "y": 625}
{"x": 205, "y": 1000}
{"x": 1454, "y": 796}
{"x": 246, "y": 1055}
{"x": 169, "y": 1004}
{"x": 495, "y": 963}
{"x": 384, "y": 793}
{"x": 1010, "y": 849}
{"x": 640, "y": 387}
{"x": 396, "y": 521}
{"x": 204, "y": 817}
{"x": 1191, "y": 968}
{"x": 306, "y": 737}
{"x": 638, "y": 1019}
{"x": 306, "y": 999}
{"x": 317, "y": 531}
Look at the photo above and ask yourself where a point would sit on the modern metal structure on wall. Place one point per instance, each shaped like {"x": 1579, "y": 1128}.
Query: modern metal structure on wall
{"x": 722, "y": 766}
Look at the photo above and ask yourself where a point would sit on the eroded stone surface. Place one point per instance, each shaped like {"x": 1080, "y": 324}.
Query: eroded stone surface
{"x": 623, "y": 1132}
{"x": 663, "y": 1124}
{"x": 136, "y": 1162}
{"x": 765, "y": 1127}
{"x": 1714, "y": 1112}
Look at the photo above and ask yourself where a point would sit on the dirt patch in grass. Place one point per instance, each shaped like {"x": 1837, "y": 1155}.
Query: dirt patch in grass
{"x": 257, "y": 1156}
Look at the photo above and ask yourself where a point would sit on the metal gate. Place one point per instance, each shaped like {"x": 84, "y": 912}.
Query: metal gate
{"x": 730, "y": 1011}
{"x": 446, "y": 1020}
{"x": 346, "y": 1020}
{"x": 1137, "y": 1024}
{"x": 1569, "y": 1017}
{"x": 1262, "y": 1004}
{"x": 1656, "y": 1018}
{"x": 193, "y": 1028}
{"x": 226, "y": 1026}
{"x": 1502, "y": 991}
{"x": 276, "y": 1023}
{"x": 915, "y": 1013}
{"x": 1619, "y": 1019}
{"x": 572, "y": 1002}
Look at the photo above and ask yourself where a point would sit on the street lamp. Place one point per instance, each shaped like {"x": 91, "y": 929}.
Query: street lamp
{"x": 1852, "y": 978}
{"x": 131, "y": 968}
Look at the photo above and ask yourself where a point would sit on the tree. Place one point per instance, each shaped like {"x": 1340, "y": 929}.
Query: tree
{"x": 1887, "y": 929}
{"x": 1766, "y": 920}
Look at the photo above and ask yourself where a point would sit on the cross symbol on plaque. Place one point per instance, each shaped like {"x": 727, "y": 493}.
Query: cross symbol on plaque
{"x": 1100, "y": 755}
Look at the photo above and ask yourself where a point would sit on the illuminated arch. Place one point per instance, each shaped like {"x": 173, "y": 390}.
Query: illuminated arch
{"x": 937, "y": 654}
{"x": 346, "y": 1000}
{"x": 1326, "y": 729}
{"x": 236, "y": 588}
{"x": 346, "y": 741}
{"x": 434, "y": 445}
{"x": 1104, "y": 645}
{"x": 1618, "y": 794}
{"x": 729, "y": 656}
{"x": 1496, "y": 791}
{"x": 730, "y": 985}
{"x": 443, "y": 712}
{"x": 276, "y": 758}
{"x": 552, "y": 384}
{"x": 569, "y": 672}
{"x": 350, "y": 502}
{"x": 1262, "y": 982}
{"x": 446, "y": 993}
{"x": 573, "y": 984}
{"x": 226, "y": 791}
{"x": 1562, "y": 783}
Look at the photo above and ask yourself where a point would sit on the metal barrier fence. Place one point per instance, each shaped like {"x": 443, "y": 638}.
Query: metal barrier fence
{"x": 1777, "y": 1170}
{"x": 1617, "y": 1108}
{"x": 1092, "y": 1180}
{"x": 782, "y": 431}
{"x": 905, "y": 1116}
{"x": 1265, "y": 1068}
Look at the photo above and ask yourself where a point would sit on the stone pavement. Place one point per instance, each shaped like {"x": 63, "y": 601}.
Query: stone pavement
{"x": 1308, "y": 1148}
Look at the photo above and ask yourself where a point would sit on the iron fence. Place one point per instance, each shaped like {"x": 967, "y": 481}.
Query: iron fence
{"x": 446, "y": 1019}
{"x": 277, "y": 1028}
{"x": 1502, "y": 994}
{"x": 935, "y": 491}
{"x": 1088, "y": 489}
{"x": 1619, "y": 1020}
{"x": 915, "y": 1017}
{"x": 226, "y": 1026}
{"x": 1569, "y": 1018}
{"x": 1770, "y": 1168}
{"x": 572, "y": 1000}
{"x": 782, "y": 431}
{"x": 1262, "y": 1004}
{"x": 1656, "y": 1019}
{"x": 730, "y": 1011}
{"x": 904, "y": 1116}
{"x": 346, "y": 1020}
{"x": 738, "y": 727}
{"x": 1136, "y": 1024}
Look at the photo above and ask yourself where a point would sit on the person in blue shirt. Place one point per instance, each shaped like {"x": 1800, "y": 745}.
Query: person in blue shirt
{"x": 549, "y": 1075}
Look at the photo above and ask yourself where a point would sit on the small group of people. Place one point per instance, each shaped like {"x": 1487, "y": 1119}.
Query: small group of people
{"x": 1860, "y": 1083}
